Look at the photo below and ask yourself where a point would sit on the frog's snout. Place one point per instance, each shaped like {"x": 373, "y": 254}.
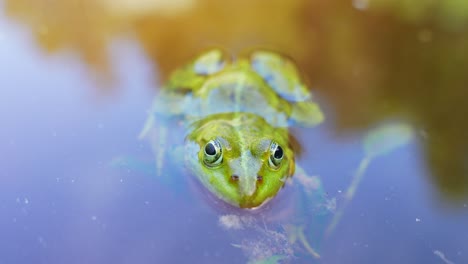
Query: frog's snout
{"x": 244, "y": 173}
{"x": 247, "y": 184}
{"x": 247, "y": 189}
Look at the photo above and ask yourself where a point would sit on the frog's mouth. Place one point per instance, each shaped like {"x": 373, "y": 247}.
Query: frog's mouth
{"x": 250, "y": 203}
{"x": 226, "y": 206}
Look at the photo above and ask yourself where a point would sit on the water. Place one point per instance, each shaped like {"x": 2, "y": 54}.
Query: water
{"x": 61, "y": 200}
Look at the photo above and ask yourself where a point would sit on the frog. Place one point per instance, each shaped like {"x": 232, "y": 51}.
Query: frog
{"x": 237, "y": 113}
{"x": 235, "y": 116}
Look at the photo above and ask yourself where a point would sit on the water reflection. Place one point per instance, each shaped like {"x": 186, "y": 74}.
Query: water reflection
{"x": 372, "y": 59}
{"x": 391, "y": 68}
{"x": 369, "y": 60}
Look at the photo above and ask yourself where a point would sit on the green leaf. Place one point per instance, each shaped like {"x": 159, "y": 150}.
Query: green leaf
{"x": 386, "y": 138}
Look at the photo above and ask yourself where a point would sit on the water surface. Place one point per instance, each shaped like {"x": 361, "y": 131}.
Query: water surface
{"x": 63, "y": 120}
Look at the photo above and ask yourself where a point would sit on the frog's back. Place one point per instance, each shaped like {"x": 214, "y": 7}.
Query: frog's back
{"x": 265, "y": 84}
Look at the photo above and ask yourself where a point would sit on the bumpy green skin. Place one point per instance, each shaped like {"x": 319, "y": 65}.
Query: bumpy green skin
{"x": 245, "y": 105}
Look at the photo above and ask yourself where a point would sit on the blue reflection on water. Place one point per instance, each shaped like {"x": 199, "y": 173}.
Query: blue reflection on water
{"x": 61, "y": 202}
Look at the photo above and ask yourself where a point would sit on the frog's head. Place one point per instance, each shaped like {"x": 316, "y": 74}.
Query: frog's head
{"x": 240, "y": 158}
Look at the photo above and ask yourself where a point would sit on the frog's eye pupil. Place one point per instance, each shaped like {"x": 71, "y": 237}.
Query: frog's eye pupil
{"x": 278, "y": 153}
{"x": 210, "y": 149}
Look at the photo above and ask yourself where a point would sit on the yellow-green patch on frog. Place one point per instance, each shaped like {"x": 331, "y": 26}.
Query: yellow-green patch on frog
{"x": 236, "y": 114}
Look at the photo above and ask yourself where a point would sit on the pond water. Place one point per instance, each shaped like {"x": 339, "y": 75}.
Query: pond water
{"x": 62, "y": 200}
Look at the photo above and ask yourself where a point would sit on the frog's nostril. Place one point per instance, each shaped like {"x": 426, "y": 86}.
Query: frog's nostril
{"x": 235, "y": 177}
{"x": 259, "y": 178}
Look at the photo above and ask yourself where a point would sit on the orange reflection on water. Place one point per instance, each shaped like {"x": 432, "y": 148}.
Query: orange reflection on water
{"x": 373, "y": 60}
{"x": 170, "y": 31}
{"x": 84, "y": 26}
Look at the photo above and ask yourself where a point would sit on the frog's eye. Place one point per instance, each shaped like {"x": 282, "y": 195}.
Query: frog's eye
{"x": 276, "y": 155}
{"x": 213, "y": 153}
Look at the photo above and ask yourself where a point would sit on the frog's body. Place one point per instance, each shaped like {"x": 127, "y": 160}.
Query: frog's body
{"x": 237, "y": 114}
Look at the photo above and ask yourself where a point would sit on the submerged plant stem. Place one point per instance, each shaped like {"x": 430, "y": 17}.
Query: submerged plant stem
{"x": 350, "y": 192}
{"x": 306, "y": 244}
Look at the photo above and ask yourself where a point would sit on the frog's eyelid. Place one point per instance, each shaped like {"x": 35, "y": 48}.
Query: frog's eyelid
{"x": 273, "y": 166}
{"x": 218, "y": 161}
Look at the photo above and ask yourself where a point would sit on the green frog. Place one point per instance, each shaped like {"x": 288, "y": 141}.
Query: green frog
{"x": 236, "y": 113}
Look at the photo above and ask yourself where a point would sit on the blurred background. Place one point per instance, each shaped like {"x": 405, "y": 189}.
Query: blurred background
{"x": 367, "y": 60}
{"x": 371, "y": 59}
